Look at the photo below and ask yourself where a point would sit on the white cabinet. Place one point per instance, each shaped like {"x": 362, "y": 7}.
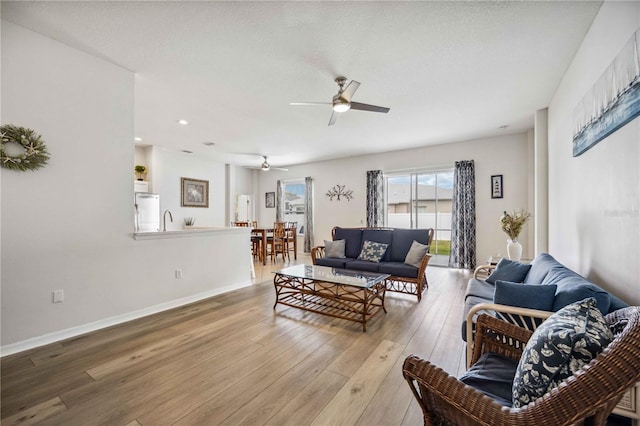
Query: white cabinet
{"x": 140, "y": 186}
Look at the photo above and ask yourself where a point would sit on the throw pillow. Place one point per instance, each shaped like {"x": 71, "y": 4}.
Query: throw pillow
{"x": 508, "y": 270}
{"x": 528, "y": 296}
{"x": 415, "y": 254}
{"x": 563, "y": 344}
{"x": 372, "y": 251}
{"x": 334, "y": 249}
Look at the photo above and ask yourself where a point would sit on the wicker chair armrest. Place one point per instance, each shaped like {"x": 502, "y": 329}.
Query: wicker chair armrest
{"x": 423, "y": 265}
{"x": 317, "y": 252}
{"x": 500, "y": 337}
{"x": 483, "y": 270}
{"x": 441, "y": 395}
{"x": 521, "y": 315}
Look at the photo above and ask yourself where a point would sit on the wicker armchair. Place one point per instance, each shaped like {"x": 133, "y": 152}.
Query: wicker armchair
{"x": 587, "y": 397}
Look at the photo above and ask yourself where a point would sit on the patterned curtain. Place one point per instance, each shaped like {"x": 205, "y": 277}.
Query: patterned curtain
{"x": 308, "y": 214}
{"x": 375, "y": 198}
{"x": 463, "y": 217}
{"x": 280, "y": 201}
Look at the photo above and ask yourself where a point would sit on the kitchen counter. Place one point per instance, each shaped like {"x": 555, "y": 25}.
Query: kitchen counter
{"x": 192, "y": 231}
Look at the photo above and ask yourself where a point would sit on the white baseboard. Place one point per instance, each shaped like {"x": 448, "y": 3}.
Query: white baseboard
{"x": 56, "y": 336}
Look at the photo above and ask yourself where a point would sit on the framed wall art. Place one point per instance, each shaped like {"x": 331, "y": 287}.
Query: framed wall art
{"x": 496, "y": 186}
{"x": 270, "y": 200}
{"x": 194, "y": 193}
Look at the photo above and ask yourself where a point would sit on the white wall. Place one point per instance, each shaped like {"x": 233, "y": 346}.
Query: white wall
{"x": 175, "y": 165}
{"x": 68, "y": 225}
{"x": 594, "y": 199}
{"x": 507, "y": 155}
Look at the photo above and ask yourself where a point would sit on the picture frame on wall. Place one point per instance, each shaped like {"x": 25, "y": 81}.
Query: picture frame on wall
{"x": 496, "y": 186}
{"x": 270, "y": 200}
{"x": 194, "y": 193}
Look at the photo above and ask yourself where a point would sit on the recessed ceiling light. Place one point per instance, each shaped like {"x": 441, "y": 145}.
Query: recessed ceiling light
{"x": 187, "y": 151}
{"x": 208, "y": 143}
{"x": 137, "y": 139}
{"x": 183, "y": 122}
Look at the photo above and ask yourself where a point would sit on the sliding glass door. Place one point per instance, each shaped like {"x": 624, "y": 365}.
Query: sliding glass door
{"x": 422, "y": 200}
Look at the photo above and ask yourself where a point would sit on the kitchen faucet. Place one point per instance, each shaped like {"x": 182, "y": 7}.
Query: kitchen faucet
{"x": 164, "y": 220}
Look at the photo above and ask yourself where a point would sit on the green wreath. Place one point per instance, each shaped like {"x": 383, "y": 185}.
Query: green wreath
{"x": 35, "y": 153}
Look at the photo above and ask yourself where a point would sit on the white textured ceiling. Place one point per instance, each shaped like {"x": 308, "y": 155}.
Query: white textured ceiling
{"x": 449, "y": 71}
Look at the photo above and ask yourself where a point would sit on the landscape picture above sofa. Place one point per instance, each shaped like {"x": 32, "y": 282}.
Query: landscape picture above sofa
{"x": 612, "y": 102}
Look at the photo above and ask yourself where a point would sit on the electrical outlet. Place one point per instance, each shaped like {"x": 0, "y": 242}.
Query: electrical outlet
{"x": 58, "y": 296}
{"x": 178, "y": 274}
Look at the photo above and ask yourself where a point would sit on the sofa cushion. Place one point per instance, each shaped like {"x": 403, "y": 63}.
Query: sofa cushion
{"x": 540, "y": 267}
{"x": 563, "y": 344}
{"x": 352, "y": 238}
{"x": 334, "y": 248}
{"x": 508, "y": 270}
{"x": 398, "y": 269}
{"x": 402, "y": 240}
{"x": 384, "y": 236}
{"x": 616, "y": 303}
{"x": 372, "y": 251}
{"x": 480, "y": 289}
{"x": 524, "y": 296}
{"x": 573, "y": 287}
{"x": 415, "y": 254}
{"x": 492, "y": 375}
{"x": 334, "y": 262}
{"x": 363, "y": 265}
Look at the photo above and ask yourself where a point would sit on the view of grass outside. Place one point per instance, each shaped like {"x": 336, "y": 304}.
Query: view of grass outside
{"x": 441, "y": 247}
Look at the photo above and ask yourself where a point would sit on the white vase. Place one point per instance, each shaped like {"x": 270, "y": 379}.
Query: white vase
{"x": 514, "y": 250}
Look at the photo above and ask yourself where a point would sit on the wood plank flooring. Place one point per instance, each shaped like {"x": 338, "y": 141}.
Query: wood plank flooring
{"x": 233, "y": 360}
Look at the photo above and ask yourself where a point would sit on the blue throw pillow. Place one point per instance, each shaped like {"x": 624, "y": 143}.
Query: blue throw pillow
{"x": 528, "y": 296}
{"x": 525, "y": 295}
{"x": 567, "y": 341}
{"x": 508, "y": 270}
{"x": 372, "y": 252}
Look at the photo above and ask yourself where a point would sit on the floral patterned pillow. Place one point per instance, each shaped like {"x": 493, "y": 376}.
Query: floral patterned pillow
{"x": 564, "y": 343}
{"x": 372, "y": 251}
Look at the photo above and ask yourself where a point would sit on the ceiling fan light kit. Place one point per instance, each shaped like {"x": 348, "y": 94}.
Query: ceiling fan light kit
{"x": 341, "y": 102}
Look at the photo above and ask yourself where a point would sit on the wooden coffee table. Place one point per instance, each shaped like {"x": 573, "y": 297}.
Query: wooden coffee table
{"x": 339, "y": 293}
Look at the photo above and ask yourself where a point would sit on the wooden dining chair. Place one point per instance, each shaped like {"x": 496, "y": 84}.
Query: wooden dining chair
{"x": 241, "y": 224}
{"x": 278, "y": 241}
{"x": 291, "y": 235}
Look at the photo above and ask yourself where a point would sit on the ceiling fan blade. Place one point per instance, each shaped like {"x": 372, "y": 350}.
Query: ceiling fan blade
{"x": 350, "y": 90}
{"x": 309, "y": 103}
{"x": 279, "y": 168}
{"x": 333, "y": 118}
{"x": 367, "y": 107}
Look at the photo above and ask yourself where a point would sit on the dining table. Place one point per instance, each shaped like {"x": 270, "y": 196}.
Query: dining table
{"x": 264, "y": 233}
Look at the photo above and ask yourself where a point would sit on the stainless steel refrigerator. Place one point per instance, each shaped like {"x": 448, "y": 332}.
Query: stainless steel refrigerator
{"x": 147, "y": 212}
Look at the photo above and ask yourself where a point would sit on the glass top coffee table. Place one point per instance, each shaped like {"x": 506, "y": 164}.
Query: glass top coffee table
{"x": 339, "y": 293}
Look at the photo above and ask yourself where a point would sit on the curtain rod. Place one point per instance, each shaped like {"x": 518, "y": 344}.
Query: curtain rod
{"x": 434, "y": 168}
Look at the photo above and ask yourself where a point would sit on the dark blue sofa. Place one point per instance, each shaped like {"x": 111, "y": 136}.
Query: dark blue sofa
{"x": 404, "y": 278}
{"x": 544, "y": 270}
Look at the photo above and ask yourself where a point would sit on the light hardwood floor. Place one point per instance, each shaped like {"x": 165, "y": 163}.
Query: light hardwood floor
{"x": 233, "y": 360}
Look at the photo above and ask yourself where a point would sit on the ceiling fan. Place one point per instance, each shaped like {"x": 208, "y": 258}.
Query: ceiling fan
{"x": 341, "y": 102}
{"x": 265, "y": 166}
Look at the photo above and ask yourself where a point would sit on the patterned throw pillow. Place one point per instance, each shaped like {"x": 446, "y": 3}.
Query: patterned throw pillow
{"x": 372, "y": 251}
{"x": 568, "y": 340}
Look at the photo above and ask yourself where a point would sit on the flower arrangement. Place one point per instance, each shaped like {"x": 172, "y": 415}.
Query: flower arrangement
{"x": 189, "y": 221}
{"x": 512, "y": 223}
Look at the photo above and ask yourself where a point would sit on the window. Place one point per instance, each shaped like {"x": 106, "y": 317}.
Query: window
{"x": 294, "y": 199}
{"x": 422, "y": 200}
